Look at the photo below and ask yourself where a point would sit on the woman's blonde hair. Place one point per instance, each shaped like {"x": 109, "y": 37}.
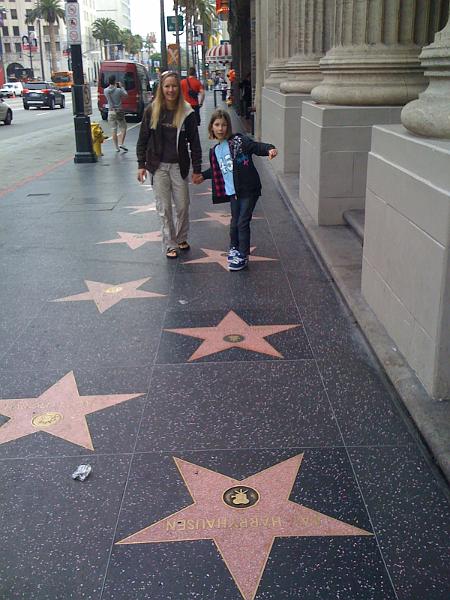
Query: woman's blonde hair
{"x": 220, "y": 114}
{"x": 159, "y": 103}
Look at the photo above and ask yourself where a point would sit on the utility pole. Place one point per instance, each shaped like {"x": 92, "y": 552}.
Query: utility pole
{"x": 163, "y": 37}
{"x": 177, "y": 37}
{"x": 81, "y": 94}
{"x": 2, "y": 70}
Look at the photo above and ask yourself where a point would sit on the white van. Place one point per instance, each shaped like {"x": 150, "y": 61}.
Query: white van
{"x": 15, "y": 86}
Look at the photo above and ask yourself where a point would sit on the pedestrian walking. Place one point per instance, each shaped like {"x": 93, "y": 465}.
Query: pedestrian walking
{"x": 168, "y": 126}
{"x": 116, "y": 116}
{"x": 246, "y": 91}
{"x": 193, "y": 92}
{"x": 235, "y": 180}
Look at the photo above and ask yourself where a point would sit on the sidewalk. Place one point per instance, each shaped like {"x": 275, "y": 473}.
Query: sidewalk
{"x": 244, "y": 443}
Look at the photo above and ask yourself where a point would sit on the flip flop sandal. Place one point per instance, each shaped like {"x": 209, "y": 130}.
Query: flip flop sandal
{"x": 183, "y": 246}
{"x": 172, "y": 253}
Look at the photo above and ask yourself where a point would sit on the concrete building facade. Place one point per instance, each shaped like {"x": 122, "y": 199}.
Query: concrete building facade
{"x": 15, "y": 27}
{"x": 117, "y": 10}
{"x": 331, "y": 82}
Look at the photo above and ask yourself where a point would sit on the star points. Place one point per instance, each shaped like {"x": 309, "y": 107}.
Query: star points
{"x": 233, "y": 332}
{"x": 134, "y": 240}
{"x": 106, "y": 295}
{"x": 220, "y": 257}
{"x": 59, "y": 411}
{"x": 242, "y": 529}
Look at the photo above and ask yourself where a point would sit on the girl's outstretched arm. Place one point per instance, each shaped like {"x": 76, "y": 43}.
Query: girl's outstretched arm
{"x": 258, "y": 148}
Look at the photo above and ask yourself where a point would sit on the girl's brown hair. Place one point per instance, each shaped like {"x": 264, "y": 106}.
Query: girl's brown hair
{"x": 159, "y": 103}
{"x": 220, "y": 114}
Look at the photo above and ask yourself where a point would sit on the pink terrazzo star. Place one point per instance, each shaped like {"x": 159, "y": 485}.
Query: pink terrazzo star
{"x": 219, "y": 217}
{"x": 106, "y": 295}
{"x": 220, "y": 257}
{"x": 233, "y": 332}
{"x": 243, "y": 518}
{"x": 59, "y": 411}
{"x": 134, "y": 240}
{"x": 142, "y": 208}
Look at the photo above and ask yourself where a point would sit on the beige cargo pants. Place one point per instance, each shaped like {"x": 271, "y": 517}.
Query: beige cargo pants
{"x": 171, "y": 189}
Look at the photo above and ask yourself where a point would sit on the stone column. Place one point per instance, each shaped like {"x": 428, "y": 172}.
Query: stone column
{"x": 374, "y": 60}
{"x": 430, "y": 114}
{"x": 279, "y": 38}
{"x": 310, "y": 39}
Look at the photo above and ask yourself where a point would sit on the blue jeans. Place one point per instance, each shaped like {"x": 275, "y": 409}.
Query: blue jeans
{"x": 241, "y": 215}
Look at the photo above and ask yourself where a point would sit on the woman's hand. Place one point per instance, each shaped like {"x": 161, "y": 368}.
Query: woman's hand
{"x": 272, "y": 153}
{"x": 142, "y": 175}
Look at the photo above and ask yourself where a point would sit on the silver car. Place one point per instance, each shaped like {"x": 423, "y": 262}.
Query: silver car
{"x": 6, "y": 114}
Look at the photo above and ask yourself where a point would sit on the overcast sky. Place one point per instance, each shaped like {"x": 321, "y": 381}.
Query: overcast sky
{"x": 145, "y": 17}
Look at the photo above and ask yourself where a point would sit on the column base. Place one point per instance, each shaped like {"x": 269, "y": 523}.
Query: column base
{"x": 375, "y": 75}
{"x": 335, "y": 141}
{"x": 406, "y": 271}
{"x": 281, "y": 114}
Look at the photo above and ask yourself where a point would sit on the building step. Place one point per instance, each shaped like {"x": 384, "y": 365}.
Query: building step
{"x": 355, "y": 220}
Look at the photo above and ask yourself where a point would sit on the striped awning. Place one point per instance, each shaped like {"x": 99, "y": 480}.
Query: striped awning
{"x": 219, "y": 54}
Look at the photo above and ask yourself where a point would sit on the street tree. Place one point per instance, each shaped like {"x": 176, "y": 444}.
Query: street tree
{"x": 105, "y": 30}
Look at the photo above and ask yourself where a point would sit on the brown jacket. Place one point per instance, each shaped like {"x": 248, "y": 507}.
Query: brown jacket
{"x": 149, "y": 144}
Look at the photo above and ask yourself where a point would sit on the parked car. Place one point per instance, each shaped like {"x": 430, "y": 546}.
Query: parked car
{"x": 134, "y": 78}
{"x": 11, "y": 89}
{"x": 42, "y": 93}
{"x": 6, "y": 93}
{"x": 6, "y": 113}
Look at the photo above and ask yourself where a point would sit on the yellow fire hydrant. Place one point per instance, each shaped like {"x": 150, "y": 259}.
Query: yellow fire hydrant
{"x": 98, "y": 137}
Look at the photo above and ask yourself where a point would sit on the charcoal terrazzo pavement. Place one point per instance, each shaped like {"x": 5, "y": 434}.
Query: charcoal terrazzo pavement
{"x": 233, "y": 413}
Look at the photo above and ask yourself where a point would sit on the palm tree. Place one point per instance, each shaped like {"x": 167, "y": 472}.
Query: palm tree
{"x": 202, "y": 11}
{"x": 132, "y": 43}
{"x": 105, "y": 29}
{"x": 51, "y": 12}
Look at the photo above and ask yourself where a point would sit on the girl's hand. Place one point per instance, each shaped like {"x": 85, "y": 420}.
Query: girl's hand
{"x": 142, "y": 175}
{"x": 197, "y": 178}
{"x": 272, "y": 153}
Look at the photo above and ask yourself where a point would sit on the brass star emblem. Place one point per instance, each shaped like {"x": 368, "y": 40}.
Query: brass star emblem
{"x": 233, "y": 332}
{"x": 243, "y": 518}
{"x": 59, "y": 411}
{"x": 106, "y": 295}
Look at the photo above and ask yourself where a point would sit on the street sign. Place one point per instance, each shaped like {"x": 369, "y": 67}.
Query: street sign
{"x": 86, "y": 100}
{"x": 73, "y": 23}
{"x": 172, "y": 54}
{"x": 171, "y": 23}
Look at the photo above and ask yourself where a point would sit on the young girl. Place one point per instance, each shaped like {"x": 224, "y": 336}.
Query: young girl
{"x": 235, "y": 179}
{"x": 168, "y": 125}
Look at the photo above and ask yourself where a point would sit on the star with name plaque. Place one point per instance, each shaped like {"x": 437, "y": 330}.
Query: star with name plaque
{"x": 233, "y": 332}
{"x": 243, "y": 518}
{"x": 59, "y": 411}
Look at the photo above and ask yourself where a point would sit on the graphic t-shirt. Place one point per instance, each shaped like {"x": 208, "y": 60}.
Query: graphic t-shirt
{"x": 225, "y": 161}
{"x": 169, "y": 138}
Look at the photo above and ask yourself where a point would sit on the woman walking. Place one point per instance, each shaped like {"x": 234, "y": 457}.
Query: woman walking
{"x": 168, "y": 126}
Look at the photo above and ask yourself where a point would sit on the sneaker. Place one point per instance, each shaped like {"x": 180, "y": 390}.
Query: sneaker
{"x": 232, "y": 253}
{"x": 238, "y": 263}
{"x": 117, "y": 149}
{"x": 123, "y": 148}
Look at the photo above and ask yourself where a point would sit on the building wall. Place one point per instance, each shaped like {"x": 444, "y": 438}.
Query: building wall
{"x": 14, "y": 28}
{"x": 117, "y": 10}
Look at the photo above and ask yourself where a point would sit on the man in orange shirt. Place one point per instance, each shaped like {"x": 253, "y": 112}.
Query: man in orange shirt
{"x": 232, "y": 75}
{"x": 193, "y": 92}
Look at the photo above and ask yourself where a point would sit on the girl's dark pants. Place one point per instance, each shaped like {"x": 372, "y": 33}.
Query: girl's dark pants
{"x": 241, "y": 215}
